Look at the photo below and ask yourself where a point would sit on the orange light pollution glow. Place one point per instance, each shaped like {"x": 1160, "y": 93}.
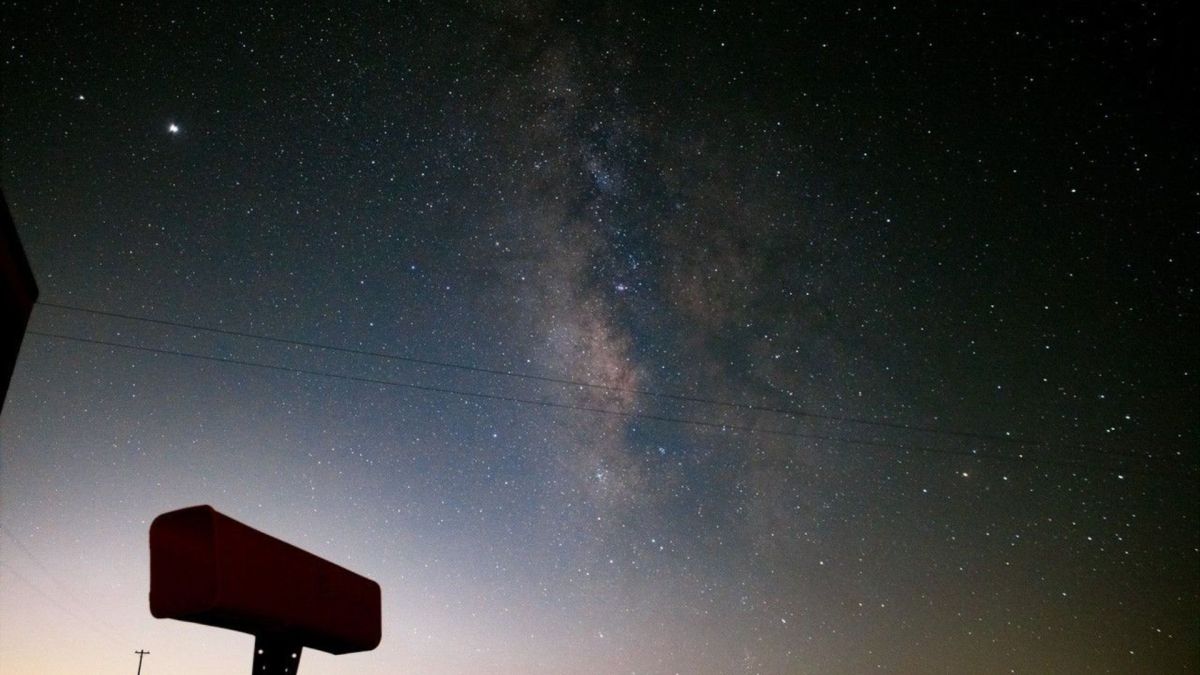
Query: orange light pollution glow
{"x": 610, "y": 338}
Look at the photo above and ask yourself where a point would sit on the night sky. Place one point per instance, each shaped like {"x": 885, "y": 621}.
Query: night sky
{"x": 614, "y": 337}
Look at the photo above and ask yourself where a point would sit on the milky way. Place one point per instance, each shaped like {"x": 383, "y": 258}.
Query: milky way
{"x": 705, "y": 339}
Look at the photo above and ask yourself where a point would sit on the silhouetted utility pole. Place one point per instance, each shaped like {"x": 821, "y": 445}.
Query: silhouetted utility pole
{"x": 141, "y": 654}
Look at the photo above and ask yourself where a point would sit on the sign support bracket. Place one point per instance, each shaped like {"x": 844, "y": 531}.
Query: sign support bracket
{"x": 276, "y": 655}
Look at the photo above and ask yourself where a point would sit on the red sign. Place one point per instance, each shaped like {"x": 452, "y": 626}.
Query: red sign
{"x": 208, "y": 568}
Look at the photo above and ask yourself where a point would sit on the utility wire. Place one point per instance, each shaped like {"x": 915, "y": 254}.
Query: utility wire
{"x": 104, "y": 632}
{"x": 753, "y": 407}
{"x": 790, "y": 412}
{"x": 706, "y": 424}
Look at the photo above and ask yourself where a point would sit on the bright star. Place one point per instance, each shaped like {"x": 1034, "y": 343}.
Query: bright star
{"x": 172, "y": 128}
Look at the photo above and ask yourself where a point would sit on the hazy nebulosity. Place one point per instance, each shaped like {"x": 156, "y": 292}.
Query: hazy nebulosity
{"x": 978, "y": 220}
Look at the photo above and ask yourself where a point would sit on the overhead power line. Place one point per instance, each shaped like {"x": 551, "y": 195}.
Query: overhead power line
{"x": 101, "y": 627}
{"x": 749, "y": 407}
{"x": 792, "y": 412}
{"x": 700, "y": 423}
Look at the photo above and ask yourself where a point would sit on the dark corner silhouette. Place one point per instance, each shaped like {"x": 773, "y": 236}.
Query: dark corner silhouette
{"x": 18, "y": 292}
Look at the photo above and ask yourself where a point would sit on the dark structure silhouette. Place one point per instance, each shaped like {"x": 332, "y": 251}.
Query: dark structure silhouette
{"x": 208, "y": 568}
{"x": 18, "y": 292}
{"x": 141, "y": 653}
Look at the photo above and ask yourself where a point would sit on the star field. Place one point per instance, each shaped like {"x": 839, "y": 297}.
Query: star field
{"x": 614, "y": 337}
